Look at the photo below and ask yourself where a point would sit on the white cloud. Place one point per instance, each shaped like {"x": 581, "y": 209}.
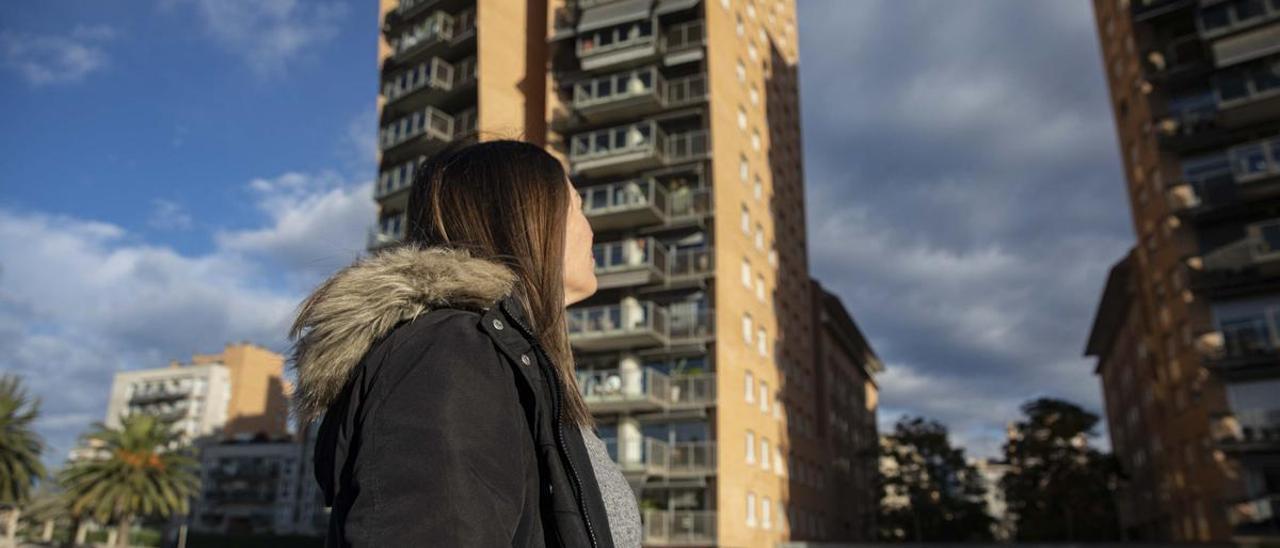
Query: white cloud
{"x": 267, "y": 34}
{"x": 81, "y": 299}
{"x": 47, "y": 59}
{"x": 169, "y": 215}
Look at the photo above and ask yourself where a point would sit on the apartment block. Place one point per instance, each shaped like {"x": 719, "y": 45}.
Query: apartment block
{"x": 237, "y": 393}
{"x": 1195, "y": 89}
{"x": 248, "y": 487}
{"x": 736, "y": 394}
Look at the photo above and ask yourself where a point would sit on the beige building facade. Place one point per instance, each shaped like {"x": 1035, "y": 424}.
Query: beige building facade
{"x": 679, "y": 123}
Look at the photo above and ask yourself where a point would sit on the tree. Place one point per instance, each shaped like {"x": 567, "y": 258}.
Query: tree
{"x": 929, "y": 493}
{"x": 144, "y": 472}
{"x": 20, "y": 447}
{"x": 1058, "y": 488}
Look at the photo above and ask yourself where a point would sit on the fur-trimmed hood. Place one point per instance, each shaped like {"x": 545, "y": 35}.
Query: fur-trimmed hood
{"x": 339, "y": 322}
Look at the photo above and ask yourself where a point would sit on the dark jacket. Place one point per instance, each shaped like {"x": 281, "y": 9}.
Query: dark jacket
{"x": 439, "y": 410}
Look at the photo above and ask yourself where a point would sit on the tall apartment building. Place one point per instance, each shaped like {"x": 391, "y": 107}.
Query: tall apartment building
{"x": 1192, "y": 369}
{"x": 678, "y": 121}
{"x": 237, "y": 393}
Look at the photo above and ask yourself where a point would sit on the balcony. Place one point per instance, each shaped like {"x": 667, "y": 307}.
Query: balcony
{"x": 1146, "y": 10}
{"x": 426, "y": 36}
{"x": 1249, "y": 93}
{"x": 618, "y": 326}
{"x": 1182, "y": 59}
{"x": 1246, "y": 266}
{"x": 602, "y": 46}
{"x": 642, "y": 202}
{"x": 682, "y": 43}
{"x": 633, "y": 147}
{"x": 636, "y": 261}
{"x": 159, "y": 394}
{"x": 1255, "y": 430}
{"x": 679, "y": 527}
{"x": 644, "y": 389}
{"x": 634, "y": 323}
{"x": 1223, "y": 185}
{"x": 635, "y": 93}
{"x": 1256, "y": 518}
{"x": 1243, "y": 347}
{"x": 650, "y": 457}
{"x": 428, "y": 82}
{"x": 430, "y": 125}
{"x": 393, "y": 180}
{"x": 388, "y": 232}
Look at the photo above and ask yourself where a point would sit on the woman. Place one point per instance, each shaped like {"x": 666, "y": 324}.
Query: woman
{"x": 443, "y": 372}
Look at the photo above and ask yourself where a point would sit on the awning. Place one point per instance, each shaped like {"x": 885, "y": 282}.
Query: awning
{"x": 613, "y": 13}
{"x": 671, "y": 6}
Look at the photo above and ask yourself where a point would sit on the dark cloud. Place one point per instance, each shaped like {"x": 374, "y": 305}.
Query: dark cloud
{"x": 965, "y": 196}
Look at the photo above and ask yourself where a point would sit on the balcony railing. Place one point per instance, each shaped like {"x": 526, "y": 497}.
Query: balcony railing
{"x": 1179, "y": 55}
{"x": 643, "y": 389}
{"x": 431, "y": 122}
{"x": 160, "y": 394}
{"x": 655, "y": 457}
{"x": 1252, "y": 337}
{"x": 435, "y": 29}
{"x": 1253, "y": 427}
{"x": 389, "y": 231}
{"x": 1256, "y": 517}
{"x": 435, "y": 74}
{"x": 1232, "y": 177}
{"x": 395, "y": 179}
{"x": 638, "y": 323}
{"x": 1252, "y": 262}
{"x": 684, "y": 36}
{"x": 669, "y": 528}
{"x": 642, "y": 202}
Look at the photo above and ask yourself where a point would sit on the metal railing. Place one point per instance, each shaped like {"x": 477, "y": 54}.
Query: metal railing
{"x": 646, "y": 385}
{"x": 624, "y": 196}
{"x": 688, "y": 323}
{"x": 617, "y": 87}
{"x": 429, "y": 121}
{"x": 684, "y": 35}
{"x": 615, "y": 319}
{"x": 614, "y": 141}
{"x": 434, "y": 29}
{"x": 655, "y": 456}
{"x": 687, "y": 145}
{"x": 691, "y": 263}
{"x": 685, "y": 90}
{"x": 1249, "y": 337}
{"x": 160, "y": 393}
{"x": 683, "y": 526}
{"x": 629, "y": 255}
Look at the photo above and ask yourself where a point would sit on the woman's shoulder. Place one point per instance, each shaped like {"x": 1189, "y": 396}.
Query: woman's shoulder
{"x": 438, "y": 348}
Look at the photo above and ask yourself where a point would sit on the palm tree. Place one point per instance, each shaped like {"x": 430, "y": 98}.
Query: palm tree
{"x": 20, "y": 446}
{"x": 143, "y": 472}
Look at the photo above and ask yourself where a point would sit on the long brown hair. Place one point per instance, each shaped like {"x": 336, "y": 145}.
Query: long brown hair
{"x": 507, "y": 201}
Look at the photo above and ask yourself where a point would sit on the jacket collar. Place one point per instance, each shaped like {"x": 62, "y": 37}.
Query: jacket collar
{"x": 342, "y": 319}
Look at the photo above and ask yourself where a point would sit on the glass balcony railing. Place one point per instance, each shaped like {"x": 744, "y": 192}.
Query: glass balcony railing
{"x": 641, "y": 201}
{"x": 436, "y": 28}
{"x": 644, "y": 388}
{"x": 685, "y": 90}
{"x": 689, "y": 145}
{"x": 160, "y": 394}
{"x": 630, "y": 255}
{"x": 684, "y": 36}
{"x": 394, "y": 179}
{"x": 434, "y": 74}
{"x": 674, "y": 527}
{"x": 618, "y": 326}
{"x": 656, "y": 457}
{"x": 431, "y": 122}
{"x": 638, "y": 323}
{"x": 389, "y": 231}
{"x": 634, "y": 389}
{"x": 635, "y": 146}
{"x": 1253, "y": 427}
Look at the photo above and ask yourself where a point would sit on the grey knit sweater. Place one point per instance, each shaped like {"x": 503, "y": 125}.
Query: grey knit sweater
{"x": 619, "y": 499}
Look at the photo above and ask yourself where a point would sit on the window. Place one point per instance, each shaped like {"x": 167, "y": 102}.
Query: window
{"x": 751, "y": 447}
{"x": 724, "y": 4}
{"x": 755, "y": 95}
{"x": 758, "y": 188}
{"x": 751, "y": 509}
{"x": 755, "y": 140}
{"x": 746, "y": 273}
{"x": 742, "y": 118}
{"x": 777, "y": 460}
{"x": 765, "y": 452}
{"x": 759, "y": 288}
{"x": 742, "y": 72}
{"x": 746, "y": 328}
{"x": 752, "y": 52}
{"x": 744, "y": 169}
{"x": 746, "y": 220}
{"x": 765, "y": 514}
{"x": 761, "y": 344}
{"x": 759, "y": 237}
{"x": 741, "y": 28}
{"x": 750, "y": 385}
{"x": 764, "y": 396}
{"x": 751, "y": 9}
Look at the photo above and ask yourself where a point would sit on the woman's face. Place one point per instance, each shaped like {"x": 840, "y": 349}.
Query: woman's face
{"x": 579, "y": 263}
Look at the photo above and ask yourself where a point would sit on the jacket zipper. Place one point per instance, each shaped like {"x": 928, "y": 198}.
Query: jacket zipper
{"x": 559, "y": 405}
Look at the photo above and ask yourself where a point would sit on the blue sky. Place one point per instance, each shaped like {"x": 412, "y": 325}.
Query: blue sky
{"x": 175, "y": 174}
